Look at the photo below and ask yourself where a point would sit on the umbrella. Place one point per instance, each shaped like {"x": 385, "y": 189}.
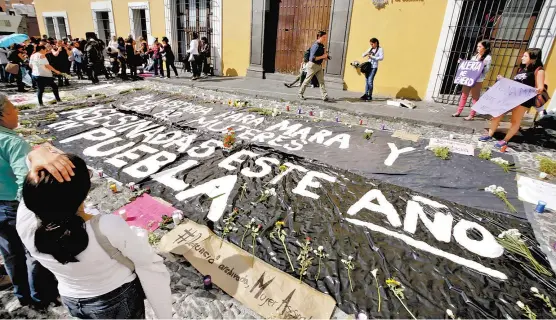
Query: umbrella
{"x": 16, "y": 38}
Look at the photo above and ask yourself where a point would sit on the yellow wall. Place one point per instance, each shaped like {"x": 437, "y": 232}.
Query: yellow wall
{"x": 236, "y": 37}
{"x": 409, "y": 32}
{"x": 80, "y": 18}
{"x": 158, "y": 22}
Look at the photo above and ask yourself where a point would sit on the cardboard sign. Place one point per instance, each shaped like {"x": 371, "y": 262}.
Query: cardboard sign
{"x": 532, "y": 190}
{"x": 505, "y": 95}
{"x": 405, "y": 135}
{"x": 469, "y": 71}
{"x": 146, "y": 212}
{"x": 454, "y": 146}
{"x": 264, "y": 289}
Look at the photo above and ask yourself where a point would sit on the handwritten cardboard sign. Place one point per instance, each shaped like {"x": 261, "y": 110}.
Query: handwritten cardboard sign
{"x": 532, "y": 190}
{"x": 454, "y": 146}
{"x": 505, "y": 95}
{"x": 266, "y": 290}
{"x": 469, "y": 71}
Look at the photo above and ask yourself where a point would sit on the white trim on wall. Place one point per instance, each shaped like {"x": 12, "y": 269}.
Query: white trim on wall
{"x": 445, "y": 39}
{"x": 545, "y": 31}
{"x": 216, "y": 48}
{"x": 171, "y": 24}
{"x": 106, "y": 6}
{"x": 57, "y": 14}
{"x": 139, "y": 6}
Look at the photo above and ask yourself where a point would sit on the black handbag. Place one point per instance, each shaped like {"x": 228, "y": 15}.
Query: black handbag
{"x": 366, "y": 67}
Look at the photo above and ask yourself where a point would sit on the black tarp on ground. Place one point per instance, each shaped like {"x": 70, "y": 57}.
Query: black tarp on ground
{"x": 433, "y": 283}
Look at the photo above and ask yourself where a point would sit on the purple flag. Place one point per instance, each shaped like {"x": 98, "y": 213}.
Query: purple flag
{"x": 468, "y": 72}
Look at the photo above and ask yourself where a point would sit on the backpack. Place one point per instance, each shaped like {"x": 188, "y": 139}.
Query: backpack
{"x": 307, "y": 55}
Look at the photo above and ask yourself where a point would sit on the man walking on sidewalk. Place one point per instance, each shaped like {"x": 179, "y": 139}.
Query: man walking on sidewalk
{"x": 314, "y": 67}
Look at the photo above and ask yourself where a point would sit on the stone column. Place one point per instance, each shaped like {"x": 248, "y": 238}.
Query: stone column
{"x": 340, "y": 20}
{"x": 257, "y": 38}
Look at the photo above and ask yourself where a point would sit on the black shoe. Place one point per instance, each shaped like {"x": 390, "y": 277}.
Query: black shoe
{"x": 22, "y": 90}
{"x": 369, "y": 98}
{"x": 288, "y": 85}
{"x": 325, "y": 99}
{"x": 364, "y": 97}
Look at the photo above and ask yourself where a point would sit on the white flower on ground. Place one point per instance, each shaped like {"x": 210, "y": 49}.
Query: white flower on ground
{"x": 491, "y": 188}
{"x": 350, "y": 258}
{"x": 502, "y": 235}
{"x": 252, "y": 220}
{"x": 315, "y": 252}
{"x": 500, "y": 189}
{"x": 499, "y": 161}
{"x": 374, "y": 273}
{"x": 343, "y": 260}
{"x": 449, "y": 313}
{"x": 520, "y": 304}
{"x": 534, "y": 290}
{"x": 320, "y": 248}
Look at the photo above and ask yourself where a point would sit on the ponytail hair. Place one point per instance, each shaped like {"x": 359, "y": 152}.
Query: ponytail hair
{"x": 61, "y": 231}
{"x": 375, "y": 40}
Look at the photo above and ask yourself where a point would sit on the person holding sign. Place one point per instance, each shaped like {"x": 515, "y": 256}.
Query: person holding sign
{"x": 531, "y": 73}
{"x": 473, "y": 87}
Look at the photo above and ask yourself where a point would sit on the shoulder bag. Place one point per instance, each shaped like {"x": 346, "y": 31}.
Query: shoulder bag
{"x": 105, "y": 244}
{"x": 12, "y": 68}
{"x": 543, "y": 97}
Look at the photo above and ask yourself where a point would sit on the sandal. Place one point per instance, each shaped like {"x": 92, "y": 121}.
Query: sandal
{"x": 469, "y": 118}
{"x": 456, "y": 115}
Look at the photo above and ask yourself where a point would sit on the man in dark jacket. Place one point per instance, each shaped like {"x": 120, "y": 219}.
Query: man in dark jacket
{"x": 94, "y": 59}
{"x": 314, "y": 67}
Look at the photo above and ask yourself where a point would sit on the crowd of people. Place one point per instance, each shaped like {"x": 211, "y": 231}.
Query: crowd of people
{"x": 42, "y": 62}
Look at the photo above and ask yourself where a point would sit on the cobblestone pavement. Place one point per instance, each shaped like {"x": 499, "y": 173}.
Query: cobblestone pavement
{"x": 190, "y": 299}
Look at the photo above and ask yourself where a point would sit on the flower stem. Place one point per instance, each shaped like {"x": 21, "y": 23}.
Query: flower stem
{"x": 403, "y": 304}
{"x": 318, "y": 270}
{"x": 378, "y": 291}
{"x": 254, "y": 239}
{"x": 242, "y": 238}
{"x": 288, "y": 255}
{"x": 349, "y": 277}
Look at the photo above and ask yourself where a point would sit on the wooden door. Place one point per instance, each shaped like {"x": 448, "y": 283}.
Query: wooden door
{"x": 298, "y": 24}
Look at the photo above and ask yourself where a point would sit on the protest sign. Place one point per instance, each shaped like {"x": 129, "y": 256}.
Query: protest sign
{"x": 454, "y": 146}
{"x": 266, "y": 290}
{"x": 505, "y": 95}
{"x": 469, "y": 72}
{"x": 532, "y": 190}
{"x": 146, "y": 212}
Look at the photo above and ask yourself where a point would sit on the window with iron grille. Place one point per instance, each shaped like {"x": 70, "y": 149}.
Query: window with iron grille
{"x": 192, "y": 16}
{"x": 507, "y": 24}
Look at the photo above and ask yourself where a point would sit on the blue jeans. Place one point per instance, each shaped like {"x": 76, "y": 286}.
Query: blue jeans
{"x": 125, "y": 302}
{"x": 22, "y": 268}
{"x": 370, "y": 79}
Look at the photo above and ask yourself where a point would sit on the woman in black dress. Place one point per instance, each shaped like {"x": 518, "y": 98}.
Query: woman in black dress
{"x": 131, "y": 57}
{"x": 531, "y": 73}
{"x": 167, "y": 54}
